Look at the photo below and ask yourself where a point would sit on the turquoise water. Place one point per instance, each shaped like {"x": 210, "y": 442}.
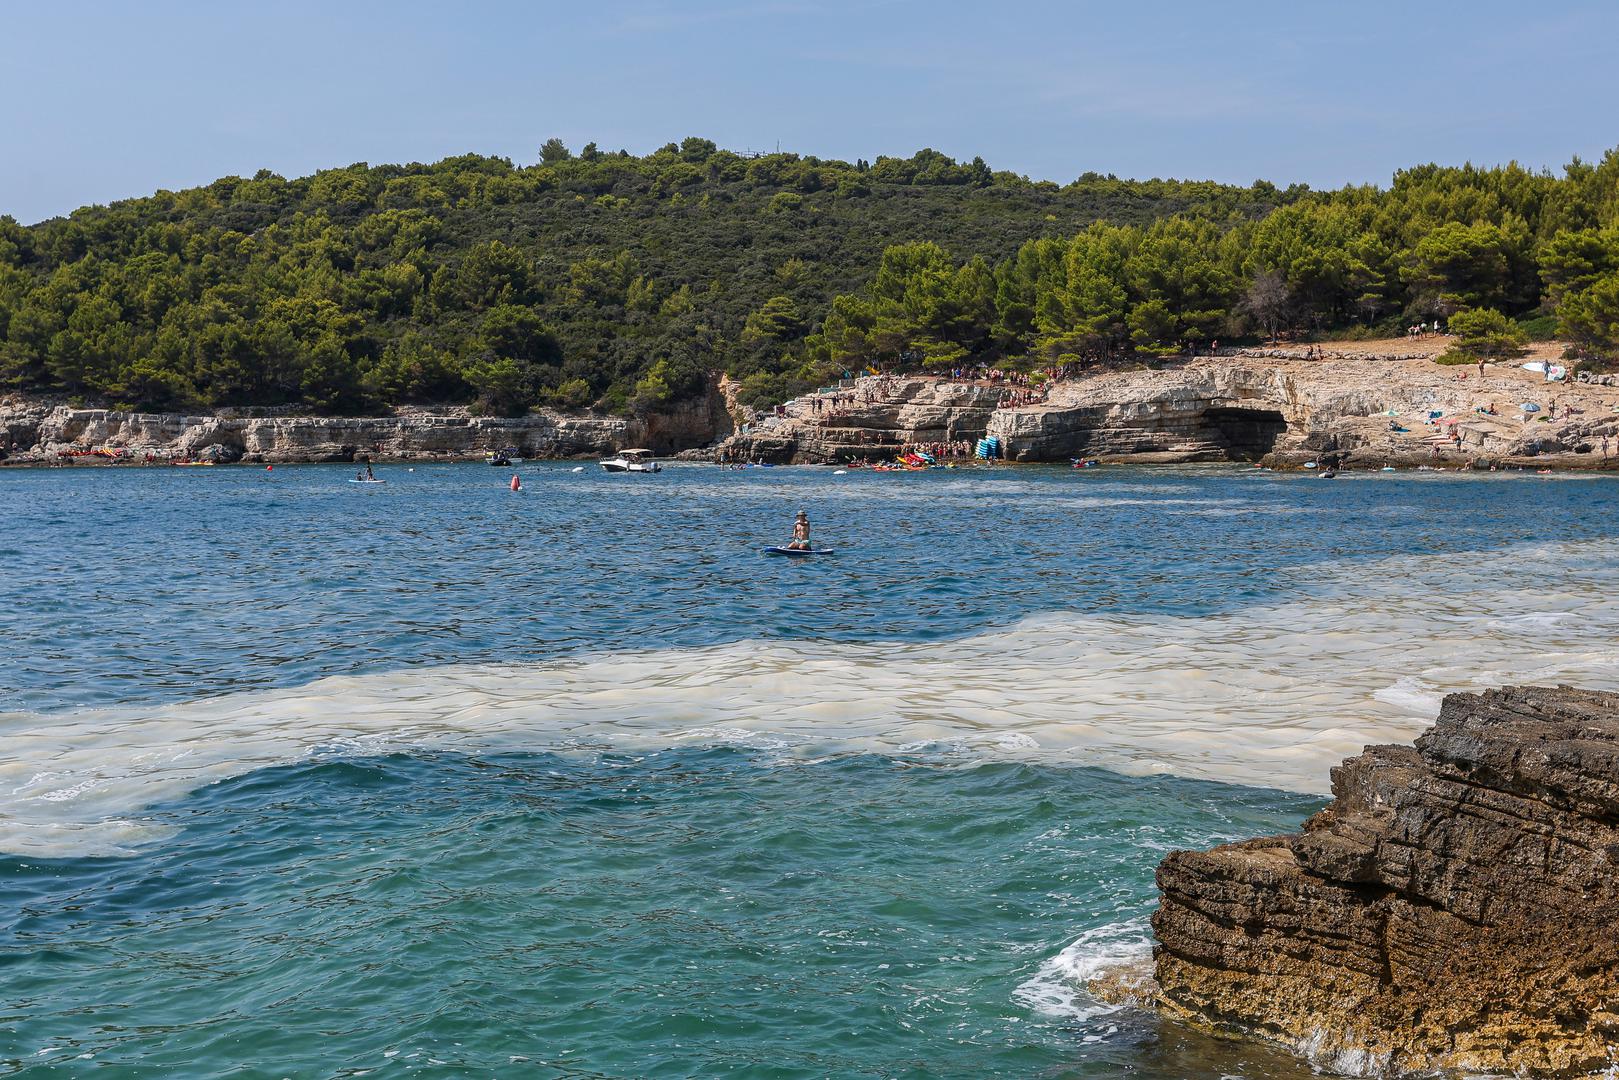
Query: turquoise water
{"x": 686, "y": 913}
{"x": 313, "y": 780}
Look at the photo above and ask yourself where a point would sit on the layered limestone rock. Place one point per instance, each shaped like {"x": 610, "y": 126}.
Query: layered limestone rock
{"x": 32, "y": 431}
{"x": 1200, "y": 412}
{"x": 1358, "y": 410}
{"x": 1354, "y": 410}
{"x": 882, "y": 414}
{"x": 1455, "y": 907}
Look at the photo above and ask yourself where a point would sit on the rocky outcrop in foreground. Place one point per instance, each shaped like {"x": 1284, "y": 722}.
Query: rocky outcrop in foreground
{"x": 1455, "y": 907}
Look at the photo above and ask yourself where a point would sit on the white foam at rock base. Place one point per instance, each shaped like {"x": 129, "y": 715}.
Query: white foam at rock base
{"x": 1269, "y": 696}
{"x": 1057, "y": 988}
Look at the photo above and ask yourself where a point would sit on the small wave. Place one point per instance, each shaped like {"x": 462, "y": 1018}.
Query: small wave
{"x": 1412, "y": 694}
{"x": 1058, "y": 986}
{"x": 1326, "y": 1051}
{"x": 1530, "y": 620}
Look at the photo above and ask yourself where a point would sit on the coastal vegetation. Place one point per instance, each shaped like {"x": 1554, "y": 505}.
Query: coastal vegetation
{"x": 1483, "y": 333}
{"x": 606, "y": 280}
{"x": 1496, "y": 254}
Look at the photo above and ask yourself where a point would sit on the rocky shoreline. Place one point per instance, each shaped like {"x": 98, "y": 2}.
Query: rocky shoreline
{"x": 1456, "y": 906}
{"x": 1283, "y": 409}
{"x": 38, "y": 432}
{"x": 1280, "y": 408}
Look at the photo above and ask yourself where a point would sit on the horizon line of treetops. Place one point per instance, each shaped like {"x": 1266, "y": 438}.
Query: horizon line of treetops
{"x": 624, "y": 283}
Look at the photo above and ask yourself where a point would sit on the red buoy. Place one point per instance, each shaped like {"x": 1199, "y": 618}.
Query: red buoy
{"x": 517, "y": 485}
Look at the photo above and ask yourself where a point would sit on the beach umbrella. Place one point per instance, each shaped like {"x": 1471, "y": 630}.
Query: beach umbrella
{"x": 1529, "y": 406}
{"x": 1450, "y": 420}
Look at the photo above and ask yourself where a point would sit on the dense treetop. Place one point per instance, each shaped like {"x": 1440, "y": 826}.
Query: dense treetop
{"x": 622, "y": 282}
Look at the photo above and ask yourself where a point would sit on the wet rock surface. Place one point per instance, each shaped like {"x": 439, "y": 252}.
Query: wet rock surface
{"x": 1456, "y": 906}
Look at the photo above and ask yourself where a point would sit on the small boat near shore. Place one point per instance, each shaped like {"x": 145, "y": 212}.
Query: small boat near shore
{"x": 632, "y": 461}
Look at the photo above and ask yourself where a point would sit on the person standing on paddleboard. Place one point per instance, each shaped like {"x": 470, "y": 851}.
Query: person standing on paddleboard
{"x": 800, "y": 532}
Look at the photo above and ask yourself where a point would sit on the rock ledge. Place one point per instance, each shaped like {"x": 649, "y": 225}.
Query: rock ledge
{"x": 1455, "y": 907}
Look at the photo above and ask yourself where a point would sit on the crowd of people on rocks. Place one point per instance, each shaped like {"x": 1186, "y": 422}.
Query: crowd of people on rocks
{"x": 831, "y": 403}
{"x": 1025, "y": 387}
{"x": 959, "y": 448}
{"x": 989, "y": 374}
{"x": 1017, "y": 397}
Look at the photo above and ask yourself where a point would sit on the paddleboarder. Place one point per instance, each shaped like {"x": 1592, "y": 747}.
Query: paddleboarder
{"x": 801, "y": 541}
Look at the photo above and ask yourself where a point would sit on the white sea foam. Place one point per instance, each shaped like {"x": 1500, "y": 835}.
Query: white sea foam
{"x": 1057, "y": 988}
{"x": 1327, "y": 1051}
{"x": 1411, "y": 694}
{"x": 1265, "y": 696}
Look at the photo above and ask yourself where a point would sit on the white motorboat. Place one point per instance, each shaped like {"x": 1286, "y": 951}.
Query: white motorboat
{"x": 632, "y": 461}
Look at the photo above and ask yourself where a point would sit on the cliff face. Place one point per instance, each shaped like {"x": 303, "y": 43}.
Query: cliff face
{"x": 1456, "y": 906}
{"x": 1207, "y": 412}
{"x": 1271, "y": 408}
{"x": 891, "y": 412}
{"x": 1362, "y": 411}
{"x": 41, "y": 432}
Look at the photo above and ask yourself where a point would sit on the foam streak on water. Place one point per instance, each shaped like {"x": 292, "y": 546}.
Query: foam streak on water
{"x": 1269, "y": 696}
{"x": 1058, "y": 987}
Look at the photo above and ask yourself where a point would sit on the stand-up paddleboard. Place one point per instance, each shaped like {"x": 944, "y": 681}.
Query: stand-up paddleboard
{"x": 354, "y": 481}
{"x": 798, "y": 553}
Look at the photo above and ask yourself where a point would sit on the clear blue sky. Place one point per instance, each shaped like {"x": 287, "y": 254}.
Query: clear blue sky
{"x": 109, "y": 100}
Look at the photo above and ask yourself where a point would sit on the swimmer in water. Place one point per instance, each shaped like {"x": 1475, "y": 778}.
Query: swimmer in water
{"x": 800, "y": 532}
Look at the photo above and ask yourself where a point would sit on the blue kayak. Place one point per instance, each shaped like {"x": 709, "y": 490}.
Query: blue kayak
{"x": 798, "y": 553}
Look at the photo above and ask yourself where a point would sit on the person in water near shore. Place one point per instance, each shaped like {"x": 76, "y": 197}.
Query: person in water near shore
{"x": 801, "y": 541}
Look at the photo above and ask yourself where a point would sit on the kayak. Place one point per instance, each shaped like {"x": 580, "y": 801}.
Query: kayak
{"x": 797, "y": 552}
{"x": 352, "y": 481}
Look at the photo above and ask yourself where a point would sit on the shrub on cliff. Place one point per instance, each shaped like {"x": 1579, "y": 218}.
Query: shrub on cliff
{"x": 1485, "y": 332}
